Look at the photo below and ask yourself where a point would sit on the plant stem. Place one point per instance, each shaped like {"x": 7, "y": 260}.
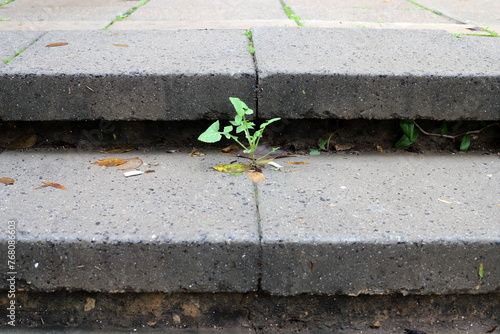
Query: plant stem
{"x": 455, "y": 136}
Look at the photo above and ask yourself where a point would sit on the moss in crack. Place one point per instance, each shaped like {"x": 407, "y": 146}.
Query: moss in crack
{"x": 290, "y": 13}
{"x": 6, "y": 2}
{"x": 250, "y": 47}
{"x": 425, "y": 8}
{"x": 17, "y": 53}
{"x": 121, "y": 17}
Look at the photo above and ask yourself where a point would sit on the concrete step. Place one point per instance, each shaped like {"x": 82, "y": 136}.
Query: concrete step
{"x": 343, "y": 224}
{"x": 295, "y": 73}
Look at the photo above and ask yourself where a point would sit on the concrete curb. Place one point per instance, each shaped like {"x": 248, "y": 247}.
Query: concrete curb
{"x": 189, "y": 74}
{"x": 359, "y": 225}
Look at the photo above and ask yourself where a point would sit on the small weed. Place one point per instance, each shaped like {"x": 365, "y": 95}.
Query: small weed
{"x": 250, "y": 47}
{"x": 213, "y": 133}
{"x": 17, "y": 53}
{"x": 290, "y": 13}
{"x": 6, "y": 2}
{"x": 411, "y": 131}
{"x": 425, "y": 8}
{"x": 121, "y": 17}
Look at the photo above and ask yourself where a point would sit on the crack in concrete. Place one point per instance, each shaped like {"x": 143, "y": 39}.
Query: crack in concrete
{"x": 129, "y": 12}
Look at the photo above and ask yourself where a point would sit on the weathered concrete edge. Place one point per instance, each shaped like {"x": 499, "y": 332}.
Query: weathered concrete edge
{"x": 310, "y": 268}
{"x": 376, "y": 268}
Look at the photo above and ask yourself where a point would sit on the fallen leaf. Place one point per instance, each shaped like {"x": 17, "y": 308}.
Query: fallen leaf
{"x": 344, "y": 147}
{"x": 51, "y": 184}
{"x": 149, "y": 171}
{"x": 297, "y": 162}
{"x": 443, "y": 201}
{"x": 196, "y": 153}
{"x": 256, "y": 176}
{"x": 55, "y": 44}
{"x": 118, "y": 149}
{"x": 376, "y": 324}
{"x": 89, "y": 304}
{"x": 232, "y": 168}
{"x": 275, "y": 165}
{"x": 23, "y": 142}
{"x": 110, "y": 162}
{"x": 475, "y": 29}
{"x": 380, "y": 148}
{"x": 230, "y": 149}
{"x": 132, "y": 163}
{"x": 121, "y": 45}
{"x": 6, "y": 180}
{"x": 492, "y": 330}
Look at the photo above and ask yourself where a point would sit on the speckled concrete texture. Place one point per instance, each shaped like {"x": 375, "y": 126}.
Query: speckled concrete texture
{"x": 380, "y": 223}
{"x": 15, "y": 41}
{"x": 146, "y": 75}
{"x": 478, "y": 11}
{"x": 364, "y": 11}
{"x": 376, "y": 74}
{"x": 184, "y": 227}
{"x": 343, "y": 224}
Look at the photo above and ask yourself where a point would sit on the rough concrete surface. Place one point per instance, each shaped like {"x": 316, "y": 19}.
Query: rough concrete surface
{"x": 146, "y": 75}
{"x": 478, "y": 11}
{"x": 376, "y": 74}
{"x": 182, "y": 228}
{"x": 364, "y": 11}
{"x": 380, "y": 223}
{"x": 53, "y": 14}
{"x": 15, "y": 41}
{"x": 359, "y": 224}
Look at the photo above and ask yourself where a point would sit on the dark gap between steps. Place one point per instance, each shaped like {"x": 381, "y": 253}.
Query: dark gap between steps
{"x": 296, "y": 136}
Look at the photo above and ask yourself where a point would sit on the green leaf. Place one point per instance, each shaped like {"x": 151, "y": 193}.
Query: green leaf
{"x": 403, "y": 142}
{"x": 212, "y": 134}
{"x": 408, "y": 127}
{"x": 240, "y": 106}
{"x": 227, "y": 129}
{"x": 263, "y": 125}
{"x": 444, "y": 128}
{"x": 465, "y": 144}
{"x": 314, "y": 152}
{"x": 480, "y": 271}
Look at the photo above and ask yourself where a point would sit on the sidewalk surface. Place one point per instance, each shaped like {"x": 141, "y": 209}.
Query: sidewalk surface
{"x": 346, "y": 224}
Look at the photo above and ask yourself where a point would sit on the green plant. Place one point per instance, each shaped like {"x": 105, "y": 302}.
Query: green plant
{"x": 411, "y": 131}
{"x": 290, "y": 13}
{"x": 241, "y": 124}
{"x": 250, "y": 46}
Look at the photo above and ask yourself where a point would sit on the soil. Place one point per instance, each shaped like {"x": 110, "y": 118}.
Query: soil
{"x": 296, "y": 136}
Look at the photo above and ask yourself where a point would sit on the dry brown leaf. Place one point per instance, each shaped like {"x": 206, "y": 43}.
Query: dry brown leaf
{"x": 344, "y": 147}
{"x": 230, "y": 150}
{"x": 121, "y": 45}
{"x": 51, "y": 184}
{"x": 119, "y": 149}
{"x": 297, "y": 162}
{"x": 256, "y": 176}
{"x": 6, "y": 180}
{"x": 132, "y": 163}
{"x": 150, "y": 171}
{"x": 380, "y": 148}
{"x": 196, "y": 153}
{"x": 23, "y": 142}
{"x": 51, "y": 45}
{"x": 89, "y": 304}
{"x": 110, "y": 162}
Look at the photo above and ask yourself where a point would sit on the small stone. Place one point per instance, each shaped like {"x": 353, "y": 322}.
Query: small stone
{"x": 176, "y": 319}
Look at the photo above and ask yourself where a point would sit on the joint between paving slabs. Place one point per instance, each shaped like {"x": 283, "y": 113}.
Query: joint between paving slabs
{"x": 290, "y": 13}
{"x": 121, "y": 17}
{"x": 17, "y": 53}
{"x": 260, "y": 264}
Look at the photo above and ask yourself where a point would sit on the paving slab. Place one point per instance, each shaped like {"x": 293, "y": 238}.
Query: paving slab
{"x": 193, "y": 25}
{"x": 376, "y": 74}
{"x": 478, "y": 12}
{"x": 184, "y": 227}
{"x": 465, "y": 29}
{"x": 54, "y": 14}
{"x": 15, "y": 41}
{"x": 146, "y": 75}
{"x": 364, "y": 11}
{"x": 382, "y": 223}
